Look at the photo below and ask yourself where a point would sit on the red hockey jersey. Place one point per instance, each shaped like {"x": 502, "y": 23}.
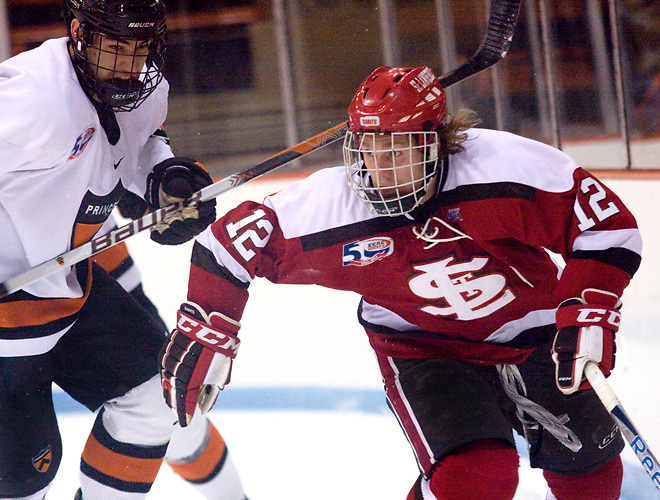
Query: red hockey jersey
{"x": 467, "y": 277}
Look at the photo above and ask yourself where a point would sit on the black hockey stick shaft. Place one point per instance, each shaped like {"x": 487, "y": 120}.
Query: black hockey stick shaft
{"x": 502, "y": 22}
{"x": 496, "y": 42}
{"x": 623, "y": 422}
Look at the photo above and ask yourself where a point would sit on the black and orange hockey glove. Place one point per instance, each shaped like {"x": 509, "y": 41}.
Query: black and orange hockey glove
{"x": 173, "y": 180}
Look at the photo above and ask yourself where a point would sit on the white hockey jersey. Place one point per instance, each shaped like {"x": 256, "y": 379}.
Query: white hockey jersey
{"x": 60, "y": 178}
{"x": 467, "y": 277}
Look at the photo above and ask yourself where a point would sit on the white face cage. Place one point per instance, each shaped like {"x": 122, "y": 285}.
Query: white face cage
{"x": 391, "y": 173}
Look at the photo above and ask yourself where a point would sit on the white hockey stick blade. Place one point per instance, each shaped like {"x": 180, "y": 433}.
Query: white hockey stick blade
{"x": 622, "y": 420}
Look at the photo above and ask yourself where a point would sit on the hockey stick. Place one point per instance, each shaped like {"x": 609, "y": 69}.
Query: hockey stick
{"x": 120, "y": 234}
{"x": 494, "y": 46}
{"x": 502, "y": 22}
{"x": 622, "y": 420}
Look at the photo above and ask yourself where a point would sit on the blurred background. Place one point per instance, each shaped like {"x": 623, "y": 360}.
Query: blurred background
{"x": 252, "y": 77}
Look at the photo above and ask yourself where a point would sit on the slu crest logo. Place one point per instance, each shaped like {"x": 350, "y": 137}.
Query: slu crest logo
{"x": 456, "y": 291}
{"x": 42, "y": 461}
{"x": 365, "y": 252}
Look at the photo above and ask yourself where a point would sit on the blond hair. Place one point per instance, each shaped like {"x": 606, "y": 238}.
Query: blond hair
{"x": 452, "y": 134}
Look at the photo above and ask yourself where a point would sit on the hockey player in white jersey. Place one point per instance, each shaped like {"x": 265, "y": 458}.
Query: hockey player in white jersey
{"x": 81, "y": 123}
{"x": 441, "y": 227}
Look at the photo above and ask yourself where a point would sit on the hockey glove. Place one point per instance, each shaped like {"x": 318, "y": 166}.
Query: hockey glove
{"x": 586, "y": 330}
{"x": 131, "y": 206}
{"x": 195, "y": 361}
{"x": 173, "y": 180}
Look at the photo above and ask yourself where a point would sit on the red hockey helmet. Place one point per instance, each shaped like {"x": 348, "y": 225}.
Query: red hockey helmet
{"x": 392, "y": 150}
{"x": 398, "y": 100}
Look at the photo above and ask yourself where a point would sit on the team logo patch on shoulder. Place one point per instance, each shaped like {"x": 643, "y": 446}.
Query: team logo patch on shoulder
{"x": 81, "y": 143}
{"x": 365, "y": 252}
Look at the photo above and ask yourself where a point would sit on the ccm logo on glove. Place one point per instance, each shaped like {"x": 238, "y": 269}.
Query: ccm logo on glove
{"x": 225, "y": 343}
{"x": 586, "y": 332}
{"x": 593, "y": 316}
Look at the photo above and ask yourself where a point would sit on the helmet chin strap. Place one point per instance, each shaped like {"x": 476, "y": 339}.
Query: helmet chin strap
{"x": 442, "y": 173}
{"x": 440, "y": 178}
{"x": 422, "y": 212}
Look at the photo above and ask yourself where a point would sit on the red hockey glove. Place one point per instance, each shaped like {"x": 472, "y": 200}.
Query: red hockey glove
{"x": 172, "y": 180}
{"x": 586, "y": 330}
{"x": 195, "y": 361}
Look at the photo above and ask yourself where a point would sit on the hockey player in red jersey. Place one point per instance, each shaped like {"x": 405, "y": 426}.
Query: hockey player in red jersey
{"x": 81, "y": 124}
{"x": 442, "y": 228}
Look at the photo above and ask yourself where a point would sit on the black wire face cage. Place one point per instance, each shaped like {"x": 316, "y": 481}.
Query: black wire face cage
{"x": 119, "y": 72}
{"x": 396, "y": 176}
